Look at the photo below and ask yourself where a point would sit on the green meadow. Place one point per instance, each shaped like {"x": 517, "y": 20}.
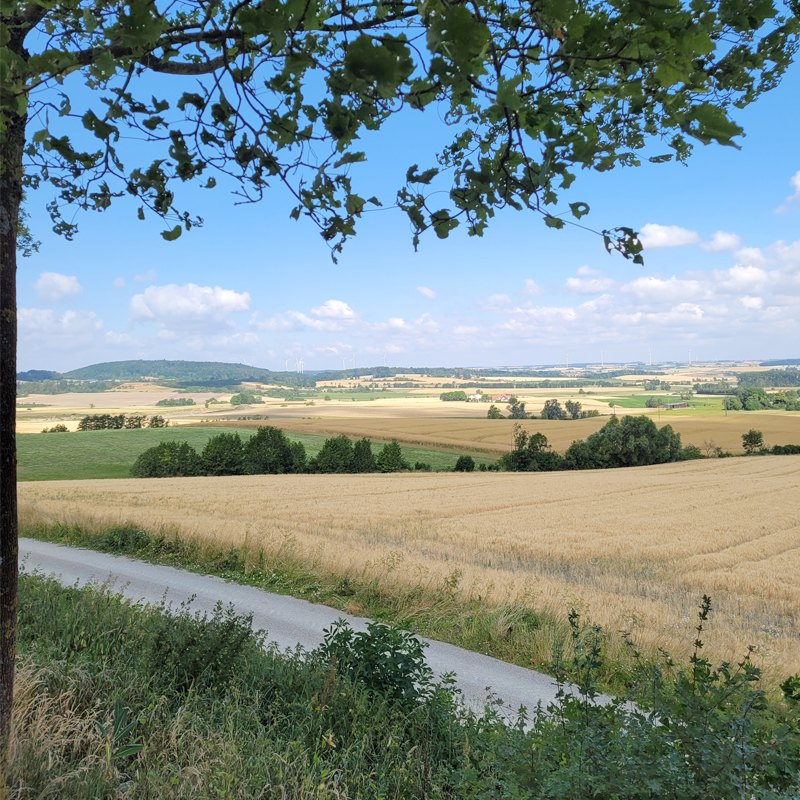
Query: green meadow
{"x": 109, "y": 454}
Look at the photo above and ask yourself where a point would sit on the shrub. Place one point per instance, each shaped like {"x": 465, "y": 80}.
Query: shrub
{"x": 168, "y": 460}
{"x": 157, "y": 421}
{"x": 59, "y": 428}
{"x": 246, "y": 398}
{"x": 752, "y": 440}
{"x": 387, "y": 660}
{"x": 336, "y": 456}
{"x": 786, "y": 450}
{"x": 691, "y": 452}
{"x": 494, "y": 412}
{"x": 268, "y": 452}
{"x": 177, "y": 401}
{"x": 223, "y": 455}
{"x": 451, "y": 396}
{"x": 633, "y": 441}
{"x": 464, "y": 464}
{"x": 363, "y": 457}
{"x": 390, "y": 458}
{"x": 423, "y": 466}
{"x": 531, "y": 453}
{"x": 552, "y": 410}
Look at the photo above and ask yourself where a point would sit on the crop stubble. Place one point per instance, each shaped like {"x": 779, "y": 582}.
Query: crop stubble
{"x": 633, "y": 549}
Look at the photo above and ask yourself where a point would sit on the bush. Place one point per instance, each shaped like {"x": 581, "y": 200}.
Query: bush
{"x": 59, "y": 428}
{"x": 246, "y": 398}
{"x": 464, "y": 464}
{"x": 531, "y": 453}
{"x": 168, "y": 460}
{"x": 552, "y": 410}
{"x": 494, "y": 412}
{"x": 268, "y": 452}
{"x": 363, "y": 457}
{"x": 176, "y": 401}
{"x": 387, "y": 660}
{"x": 390, "y": 458}
{"x": 691, "y": 452}
{"x": 336, "y": 456}
{"x": 157, "y": 421}
{"x": 633, "y": 441}
{"x": 786, "y": 450}
{"x": 752, "y": 441}
{"x": 451, "y": 396}
{"x": 223, "y": 455}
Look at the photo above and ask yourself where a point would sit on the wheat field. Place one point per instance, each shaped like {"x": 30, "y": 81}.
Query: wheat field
{"x": 496, "y": 435}
{"x": 632, "y": 549}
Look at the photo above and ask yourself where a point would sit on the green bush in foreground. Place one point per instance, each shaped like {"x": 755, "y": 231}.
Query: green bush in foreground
{"x": 197, "y": 708}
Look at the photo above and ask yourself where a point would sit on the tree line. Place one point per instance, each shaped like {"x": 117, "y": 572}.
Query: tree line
{"x": 115, "y": 422}
{"x": 268, "y": 452}
{"x": 552, "y": 409}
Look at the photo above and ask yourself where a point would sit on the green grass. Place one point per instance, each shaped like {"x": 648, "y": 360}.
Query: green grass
{"x": 118, "y": 700}
{"x": 640, "y": 401}
{"x": 110, "y": 454}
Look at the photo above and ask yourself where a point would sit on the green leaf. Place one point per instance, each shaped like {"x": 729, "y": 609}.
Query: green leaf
{"x": 554, "y": 222}
{"x": 350, "y": 158}
{"x": 172, "y": 235}
{"x": 579, "y": 209}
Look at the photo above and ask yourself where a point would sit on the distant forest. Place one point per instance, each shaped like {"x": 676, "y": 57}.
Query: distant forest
{"x": 773, "y": 377}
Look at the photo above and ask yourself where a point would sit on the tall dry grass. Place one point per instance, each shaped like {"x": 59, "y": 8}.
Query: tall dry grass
{"x": 633, "y": 549}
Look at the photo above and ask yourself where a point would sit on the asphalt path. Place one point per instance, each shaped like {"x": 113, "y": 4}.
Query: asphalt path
{"x": 288, "y": 622}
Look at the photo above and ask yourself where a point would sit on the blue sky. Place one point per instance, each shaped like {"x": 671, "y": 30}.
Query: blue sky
{"x": 721, "y": 273}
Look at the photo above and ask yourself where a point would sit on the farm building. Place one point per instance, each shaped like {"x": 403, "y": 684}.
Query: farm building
{"x": 670, "y": 406}
{"x": 502, "y": 398}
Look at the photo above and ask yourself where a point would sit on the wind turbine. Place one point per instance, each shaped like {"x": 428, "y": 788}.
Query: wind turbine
{"x": 302, "y": 366}
{"x": 690, "y": 357}
{"x": 567, "y": 360}
{"x": 344, "y": 366}
{"x": 602, "y": 363}
{"x": 384, "y": 359}
{"x": 286, "y": 367}
{"x": 354, "y": 360}
{"x": 649, "y": 357}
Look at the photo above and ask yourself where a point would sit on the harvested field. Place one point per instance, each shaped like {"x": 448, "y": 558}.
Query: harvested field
{"x": 633, "y": 549}
{"x": 495, "y": 435}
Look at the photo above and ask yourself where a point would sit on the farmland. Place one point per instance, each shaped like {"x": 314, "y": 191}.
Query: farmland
{"x": 631, "y": 549}
{"x": 110, "y": 454}
{"x": 495, "y": 436}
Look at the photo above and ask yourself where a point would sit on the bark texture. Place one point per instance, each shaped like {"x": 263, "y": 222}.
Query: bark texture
{"x": 10, "y": 198}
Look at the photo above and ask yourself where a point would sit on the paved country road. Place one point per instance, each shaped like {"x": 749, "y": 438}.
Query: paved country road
{"x": 288, "y": 621}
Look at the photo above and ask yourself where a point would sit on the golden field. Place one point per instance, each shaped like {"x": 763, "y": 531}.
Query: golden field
{"x": 633, "y": 549}
{"x": 495, "y": 435}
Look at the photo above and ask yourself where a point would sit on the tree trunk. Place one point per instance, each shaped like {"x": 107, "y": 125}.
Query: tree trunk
{"x": 11, "y": 174}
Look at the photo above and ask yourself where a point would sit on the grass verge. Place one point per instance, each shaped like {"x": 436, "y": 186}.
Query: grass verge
{"x": 119, "y": 701}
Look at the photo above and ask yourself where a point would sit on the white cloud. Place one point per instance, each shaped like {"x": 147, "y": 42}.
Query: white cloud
{"x": 47, "y": 330}
{"x": 654, "y": 236}
{"x": 53, "y": 287}
{"x": 426, "y": 292}
{"x": 188, "y": 307}
{"x": 752, "y": 302}
{"x": 588, "y": 285}
{"x": 531, "y": 289}
{"x": 741, "y": 279}
{"x": 721, "y": 241}
{"x": 586, "y": 270}
{"x": 275, "y": 323}
{"x": 792, "y": 199}
{"x": 334, "y": 309}
{"x": 750, "y": 257}
{"x": 119, "y": 283}
{"x": 659, "y": 290}
{"x": 147, "y": 277}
